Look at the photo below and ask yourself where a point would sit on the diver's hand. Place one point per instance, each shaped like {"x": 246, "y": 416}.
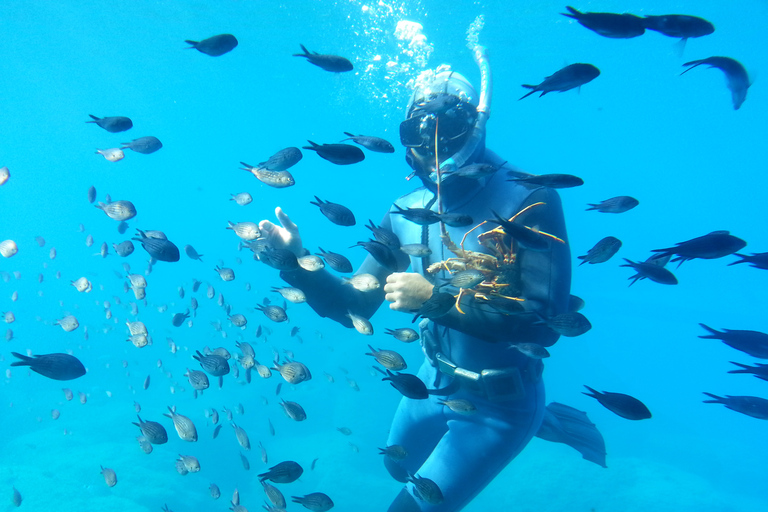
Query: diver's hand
{"x": 284, "y": 236}
{"x": 407, "y": 291}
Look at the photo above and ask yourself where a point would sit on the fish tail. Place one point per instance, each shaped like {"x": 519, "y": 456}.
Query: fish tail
{"x": 592, "y": 392}
{"x": 304, "y": 49}
{"x": 743, "y": 368}
{"x": 95, "y": 119}
{"x": 349, "y": 134}
{"x": 573, "y": 13}
{"x": 533, "y": 87}
{"x": 592, "y": 207}
{"x": 693, "y": 64}
{"x": 715, "y": 335}
{"x": 192, "y": 44}
{"x": 25, "y": 360}
{"x": 717, "y": 399}
{"x": 742, "y": 260}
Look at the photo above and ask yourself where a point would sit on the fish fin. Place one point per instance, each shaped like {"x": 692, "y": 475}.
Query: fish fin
{"x": 573, "y": 13}
{"x": 717, "y": 399}
{"x": 715, "y": 335}
{"x": 349, "y": 135}
{"x": 192, "y": 43}
{"x": 25, "y": 360}
{"x": 679, "y": 46}
{"x": 592, "y": 207}
{"x": 595, "y": 394}
{"x": 303, "y": 48}
{"x": 693, "y": 64}
{"x": 95, "y": 119}
{"x": 533, "y": 87}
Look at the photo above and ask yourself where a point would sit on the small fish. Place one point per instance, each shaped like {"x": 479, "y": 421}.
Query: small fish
{"x": 711, "y": 246}
{"x": 459, "y": 405}
{"x": 146, "y": 383}
{"x": 569, "y": 324}
{"x": 123, "y": 249}
{"x": 362, "y": 282}
{"x": 276, "y": 179}
{"x": 245, "y": 230}
{"x": 756, "y": 260}
{"x": 388, "y": 359}
{"x": 282, "y": 160}
{"x": 143, "y": 145}
{"x": 113, "y": 124}
{"x": 754, "y": 343}
{"x": 332, "y": 63}
{"x": 214, "y": 490}
{"x": 552, "y": 180}
{"x": 154, "y": 432}
{"x": 274, "y": 313}
{"x": 420, "y": 216}
{"x": 475, "y": 171}
{"x": 409, "y": 385}
{"x": 416, "y": 250}
{"x": 5, "y": 175}
{"x": 111, "y": 154}
{"x": 623, "y": 405}
{"x": 336, "y": 213}
{"x": 311, "y": 263}
{"x": 336, "y": 261}
{"x": 144, "y": 444}
{"x": 759, "y": 370}
{"x": 293, "y": 372}
{"x": 466, "y": 278}
{"x": 360, "y": 323}
{"x": 110, "y": 477}
{"x": 293, "y": 410}
{"x": 216, "y": 431}
{"x": 426, "y": 489}
{"x": 339, "y": 154}
{"x": 226, "y": 274}
{"x": 404, "y": 334}
{"x": 264, "y": 457}
{"x": 437, "y": 305}
{"x": 243, "y": 198}
{"x": 179, "y": 318}
{"x": 570, "y": 77}
{"x": 118, "y": 210}
{"x": 735, "y": 74}
{"x": 214, "y": 46}
{"x": 160, "y": 249}
{"x": 381, "y": 253}
{"x": 192, "y": 254}
{"x": 213, "y": 364}
{"x": 617, "y": 26}
{"x": 753, "y": 406}
{"x": 190, "y": 463}
{"x": 283, "y": 473}
{"x": 619, "y": 204}
{"x": 602, "y": 251}
{"x": 384, "y": 235}
{"x": 69, "y": 323}
{"x": 242, "y": 437}
{"x": 16, "y": 498}
{"x": 679, "y": 25}
{"x": 185, "y": 428}
{"x": 291, "y": 294}
{"x": 280, "y": 259}
{"x": 316, "y": 501}
{"x": 54, "y": 366}
{"x": 532, "y": 350}
{"x": 376, "y": 144}
{"x": 394, "y": 452}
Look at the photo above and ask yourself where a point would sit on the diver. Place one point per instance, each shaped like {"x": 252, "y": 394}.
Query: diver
{"x": 469, "y": 353}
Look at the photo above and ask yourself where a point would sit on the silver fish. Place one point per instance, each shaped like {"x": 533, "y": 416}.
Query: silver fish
{"x": 184, "y": 426}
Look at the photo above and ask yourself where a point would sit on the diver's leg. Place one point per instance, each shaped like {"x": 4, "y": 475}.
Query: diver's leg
{"x": 476, "y": 449}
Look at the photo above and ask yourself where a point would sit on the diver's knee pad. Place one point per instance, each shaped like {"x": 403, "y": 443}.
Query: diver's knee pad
{"x": 404, "y": 502}
{"x": 396, "y": 470}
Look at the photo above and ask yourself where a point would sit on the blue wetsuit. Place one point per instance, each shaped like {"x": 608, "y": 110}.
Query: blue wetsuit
{"x": 463, "y": 453}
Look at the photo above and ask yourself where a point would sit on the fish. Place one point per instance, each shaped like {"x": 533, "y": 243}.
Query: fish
{"x": 315, "y": 501}
{"x": 214, "y": 491}
{"x": 184, "y": 426}
{"x": 420, "y": 216}
{"x": 282, "y": 160}
{"x": 755, "y": 260}
{"x": 5, "y": 175}
{"x": 110, "y": 477}
{"x": 679, "y": 25}
{"x": 280, "y": 259}
{"x": 143, "y": 145}
{"x": 179, "y": 318}
{"x": 759, "y": 370}
{"x": 532, "y": 350}
{"x": 215, "y": 46}
{"x": 238, "y": 320}
{"x": 389, "y": 359}
{"x": 197, "y": 379}
{"x": 276, "y": 179}
{"x": 242, "y": 437}
{"x": 652, "y": 271}
{"x": 153, "y": 431}
{"x": 122, "y": 227}
{"x": 243, "y": 198}
{"x": 226, "y": 274}
{"x": 190, "y": 462}
{"x": 273, "y": 494}
{"x": 466, "y": 278}
{"x": 380, "y": 252}
{"x": 291, "y": 294}
{"x": 293, "y": 372}
{"x": 113, "y": 124}
{"x": 118, "y": 210}
{"x": 333, "y": 63}
{"x": 360, "y": 323}
{"x": 710, "y": 246}
{"x": 437, "y": 305}
{"x": 362, "y": 282}
{"x": 91, "y": 197}
{"x": 754, "y": 343}
{"x": 336, "y": 213}
{"x": 404, "y": 334}
{"x": 123, "y": 249}
{"x": 551, "y": 180}
{"x": 8, "y": 248}
{"x": 293, "y": 410}
{"x": 146, "y": 383}
{"x": 274, "y": 313}
{"x": 336, "y": 261}
{"x": 602, "y": 251}
{"x": 384, "y": 235}
{"x": 395, "y": 452}
{"x": 570, "y": 77}
{"x": 144, "y": 444}
{"x": 111, "y": 154}
{"x": 310, "y": 263}
{"x": 283, "y": 473}
{"x": 623, "y": 405}
{"x": 264, "y": 457}
{"x": 192, "y": 254}
{"x": 213, "y": 364}
{"x": 619, "y": 204}
{"x": 55, "y": 366}
{"x": 459, "y": 405}
{"x": 409, "y": 385}
{"x": 216, "y": 431}
{"x": 160, "y": 249}
{"x": 523, "y": 235}
{"x": 735, "y": 74}
{"x": 339, "y": 154}
{"x": 69, "y": 323}
{"x": 570, "y": 324}
{"x": 245, "y": 230}
{"x": 375, "y": 144}
{"x": 474, "y": 171}
{"x": 426, "y": 489}
{"x": 416, "y": 250}
{"x": 753, "y": 406}
{"x": 606, "y": 24}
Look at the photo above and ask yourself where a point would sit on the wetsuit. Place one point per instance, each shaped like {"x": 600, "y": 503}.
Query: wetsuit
{"x": 463, "y": 453}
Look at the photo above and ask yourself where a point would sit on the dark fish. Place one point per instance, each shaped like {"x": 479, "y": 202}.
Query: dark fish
{"x": 552, "y": 180}
{"x": 380, "y": 252}
{"x": 293, "y": 410}
{"x": 112, "y": 124}
{"x": 336, "y": 213}
{"x": 384, "y": 235}
{"x": 439, "y": 304}
{"x": 143, "y": 145}
{"x": 216, "y": 431}
{"x": 525, "y": 237}
{"x": 617, "y": 26}
{"x": 735, "y": 74}
{"x": 475, "y": 171}
{"x": 652, "y": 271}
{"x": 153, "y": 431}
{"x": 564, "y": 424}
{"x": 339, "y": 154}
{"x": 122, "y": 227}
{"x": 192, "y": 254}
{"x": 679, "y": 25}
{"x": 532, "y": 350}
{"x": 280, "y": 259}
{"x": 332, "y": 63}
{"x": 215, "y": 45}
{"x": 602, "y": 251}
{"x": 244, "y": 461}
{"x": 212, "y": 363}
{"x": 283, "y": 473}
{"x": 91, "y": 196}
{"x": 179, "y": 318}
{"x": 336, "y": 261}
{"x": 409, "y": 385}
{"x": 282, "y": 160}
{"x": 565, "y": 79}
{"x": 456, "y": 220}
{"x": 754, "y": 343}
{"x": 123, "y": 249}
{"x": 619, "y": 204}
{"x": 759, "y": 370}
{"x": 316, "y": 501}
{"x": 569, "y": 324}
{"x": 158, "y": 248}
{"x": 404, "y": 334}
{"x": 420, "y": 216}
{"x": 427, "y": 490}
{"x": 750, "y": 405}
{"x": 376, "y": 144}
{"x": 624, "y": 405}
{"x": 54, "y": 366}
{"x": 710, "y": 246}
{"x": 756, "y": 260}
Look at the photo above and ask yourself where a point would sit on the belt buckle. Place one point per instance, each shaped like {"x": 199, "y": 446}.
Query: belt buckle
{"x": 503, "y": 385}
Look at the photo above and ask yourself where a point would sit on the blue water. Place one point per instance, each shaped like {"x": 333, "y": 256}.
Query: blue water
{"x": 640, "y": 129}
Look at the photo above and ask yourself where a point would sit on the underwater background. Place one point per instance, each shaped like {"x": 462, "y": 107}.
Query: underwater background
{"x": 673, "y": 142}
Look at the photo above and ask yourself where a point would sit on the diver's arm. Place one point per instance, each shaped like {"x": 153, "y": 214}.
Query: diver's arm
{"x": 545, "y": 277}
